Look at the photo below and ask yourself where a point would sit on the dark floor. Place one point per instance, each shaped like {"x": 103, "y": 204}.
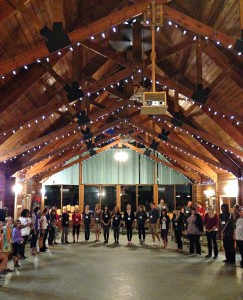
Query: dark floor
{"x": 100, "y": 271}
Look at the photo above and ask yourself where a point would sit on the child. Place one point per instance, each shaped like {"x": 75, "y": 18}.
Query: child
{"x": 17, "y": 242}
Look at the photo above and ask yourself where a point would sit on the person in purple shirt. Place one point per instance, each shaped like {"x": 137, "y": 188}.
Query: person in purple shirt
{"x": 17, "y": 242}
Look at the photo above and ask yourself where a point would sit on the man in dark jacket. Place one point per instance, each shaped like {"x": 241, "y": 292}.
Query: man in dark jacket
{"x": 227, "y": 226}
{"x": 65, "y": 225}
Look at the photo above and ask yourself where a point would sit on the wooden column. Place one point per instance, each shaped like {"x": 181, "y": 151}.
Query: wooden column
{"x": 156, "y": 191}
{"x": 240, "y": 185}
{"x": 118, "y": 195}
{"x": 198, "y": 197}
{"x": 241, "y": 17}
{"x": 81, "y": 188}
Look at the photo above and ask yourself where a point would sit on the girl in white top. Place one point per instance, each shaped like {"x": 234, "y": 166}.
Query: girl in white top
{"x": 25, "y": 229}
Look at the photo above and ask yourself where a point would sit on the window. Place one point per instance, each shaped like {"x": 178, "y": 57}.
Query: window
{"x": 145, "y": 196}
{"x": 183, "y": 195}
{"x": 91, "y": 196}
{"x": 53, "y": 195}
{"x": 166, "y": 192}
{"x": 108, "y": 197}
{"x": 128, "y": 196}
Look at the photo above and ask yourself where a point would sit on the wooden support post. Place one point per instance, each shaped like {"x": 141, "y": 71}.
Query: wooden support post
{"x": 240, "y": 186}
{"x": 118, "y": 195}
{"x": 81, "y": 198}
{"x": 156, "y": 194}
{"x": 241, "y": 17}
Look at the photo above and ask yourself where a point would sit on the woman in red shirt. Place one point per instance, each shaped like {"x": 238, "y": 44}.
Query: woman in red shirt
{"x": 76, "y": 217}
{"x": 211, "y": 226}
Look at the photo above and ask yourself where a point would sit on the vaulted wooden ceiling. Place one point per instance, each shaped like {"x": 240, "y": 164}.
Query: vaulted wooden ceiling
{"x": 109, "y": 57}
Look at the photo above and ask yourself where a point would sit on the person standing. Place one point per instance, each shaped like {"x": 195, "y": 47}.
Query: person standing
{"x": 97, "y": 222}
{"x": 187, "y": 210}
{"x": 43, "y": 228}
{"x": 201, "y": 210}
{"x": 153, "y": 222}
{"x": 178, "y": 226}
{"x": 17, "y": 242}
{"x": 25, "y": 229}
{"x": 65, "y": 226}
{"x": 76, "y": 217}
{"x": 194, "y": 230}
{"x": 211, "y": 226}
{"x": 7, "y": 237}
{"x": 52, "y": 229}
{"x": 164, "y": 227}
{"x": 129, "y": 219}
{"x": 162, "y": 205}
{"x": 106, "y": 222}
{"x": 116, "y": 222}
{"x": 239, "y": 234}
{"x": 3, "y": 257}
{"x": 141, "y": 218}
{"x": 87, "y": 218}
{"x": 227, "y": 226}
{"x": 35, "y": 230}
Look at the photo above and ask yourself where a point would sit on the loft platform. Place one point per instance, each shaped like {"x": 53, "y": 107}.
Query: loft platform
{"x": 154, "y": 103}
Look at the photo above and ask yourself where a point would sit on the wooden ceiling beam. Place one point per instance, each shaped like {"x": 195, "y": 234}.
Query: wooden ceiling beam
{"x": 182, "y": 162}
{"x": 161, "y": 55}
{"x": 20, "y": 149}
{"x": 228, "y": 67}
{"x": 77, "y": 35}
{"x": 77, "y": 161}
{"x": 181, "y": 148}
{"x": 169, "y": 165}
{"x": 6, "y": 10}
{"x": 22, "y": 120}
{"x": 197, "y": 27}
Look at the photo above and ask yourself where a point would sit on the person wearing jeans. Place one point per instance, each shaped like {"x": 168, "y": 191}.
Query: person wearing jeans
{"x": 211, "y": 226}
{"x": 36, "y": 229}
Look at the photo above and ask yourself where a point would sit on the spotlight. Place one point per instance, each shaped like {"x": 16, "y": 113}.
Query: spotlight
{"x": 147, "y": 152}
{"x": 90, "y": 145}
{"x": 82, "y": 118}
{"x": 73, "y": 92}
{"x": 56, "y": 38}
{"x": 87, "y": 133}
{"x": 201, "y": 95}
{"x": 92, "y": 152}
{"x": 154, "y": 145}
{"x": 164, "y": 135}
{"x": 177, "y": 119}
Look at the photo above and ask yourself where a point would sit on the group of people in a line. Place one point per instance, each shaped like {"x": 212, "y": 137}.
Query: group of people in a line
{"x": 187, "y": 221}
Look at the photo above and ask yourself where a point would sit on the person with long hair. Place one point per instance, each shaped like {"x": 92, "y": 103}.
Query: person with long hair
{"x": 141, "y": 218}
{"x": 211, "y": 226}
{"x": 129, "y": 218}
{"x": 43, "y": 228}
{"x": 17, "y": 242}
{"x": 52, "y": 229}
{"x": 25, "y": 229}
{"x": 164, "y": 227}
{"x": 7, "y": 245}
{"x": 35, "y": 230}
{"x": 106, "y": 223}
{"x": 228, "y": 227}
{"x": 87, "y": 219}
{"x": 76, "y": 217}
{"x": 116, "y": 223}
{"x": 97, "y": 222}
{"x": 194, "y": 231}
{"x": 178, "y": 227}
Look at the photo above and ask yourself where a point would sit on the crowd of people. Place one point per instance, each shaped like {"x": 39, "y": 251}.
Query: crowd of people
{"x": 42, "y": 229}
